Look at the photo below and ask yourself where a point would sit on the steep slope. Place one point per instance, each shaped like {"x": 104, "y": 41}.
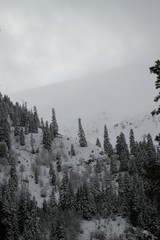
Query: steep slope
{"x": 28, "y": 164}
{"x": 105, "y": 98}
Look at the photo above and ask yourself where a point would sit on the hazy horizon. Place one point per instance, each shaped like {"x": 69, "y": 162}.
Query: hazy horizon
{"x": 43, "y": 42}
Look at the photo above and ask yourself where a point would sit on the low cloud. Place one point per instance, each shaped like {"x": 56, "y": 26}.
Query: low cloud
{"x": 48, "y": 41}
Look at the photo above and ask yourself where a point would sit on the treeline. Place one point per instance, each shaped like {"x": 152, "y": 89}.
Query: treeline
{"x": 18, "y": 116}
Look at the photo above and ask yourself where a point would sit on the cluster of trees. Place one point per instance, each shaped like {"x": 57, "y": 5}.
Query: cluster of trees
{"x": 21, "y": 218}
{"x": 137, "y": 196}
{"x": 50, "y": 131}
{"x": 23, "y": 120}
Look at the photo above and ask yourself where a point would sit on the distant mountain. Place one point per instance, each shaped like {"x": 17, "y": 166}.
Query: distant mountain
{"x": 106, "y": 98}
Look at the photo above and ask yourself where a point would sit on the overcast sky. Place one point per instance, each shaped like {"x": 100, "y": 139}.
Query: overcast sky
{"x": 45, "y": 41}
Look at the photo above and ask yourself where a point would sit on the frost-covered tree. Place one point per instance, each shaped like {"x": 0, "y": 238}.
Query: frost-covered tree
{"x": 81, "y": 135}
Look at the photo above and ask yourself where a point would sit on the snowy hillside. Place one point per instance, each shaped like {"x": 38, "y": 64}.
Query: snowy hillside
{"x": 27, "y": 162}
{"x": 107, "y": 98}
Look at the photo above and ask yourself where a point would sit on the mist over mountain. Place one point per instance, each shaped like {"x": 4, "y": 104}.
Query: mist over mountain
{"x": 105, "y": 98}
{"x": 56, "y": 184}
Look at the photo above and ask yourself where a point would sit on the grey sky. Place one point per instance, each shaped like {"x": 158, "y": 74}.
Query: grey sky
{"x": 45, "y": 41}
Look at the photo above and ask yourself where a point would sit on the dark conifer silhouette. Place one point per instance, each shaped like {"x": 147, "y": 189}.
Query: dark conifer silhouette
{"x": 81, "y": 135}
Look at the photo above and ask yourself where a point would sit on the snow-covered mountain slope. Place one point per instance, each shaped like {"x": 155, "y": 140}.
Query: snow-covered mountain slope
{"x": 106, "y": 98}
{"x": 81, "y": 164}
{"x": 142, "y": 124}
{"x": 110, "y": 228}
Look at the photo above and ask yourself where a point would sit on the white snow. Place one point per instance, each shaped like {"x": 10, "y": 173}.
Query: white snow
{"x": 106, "y": 98}
{"x": 111, "y": 227}
{"x": 26, "y": 162}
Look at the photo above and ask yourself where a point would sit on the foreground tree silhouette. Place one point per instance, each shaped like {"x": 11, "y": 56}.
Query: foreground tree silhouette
{"x": 156, "y": 70}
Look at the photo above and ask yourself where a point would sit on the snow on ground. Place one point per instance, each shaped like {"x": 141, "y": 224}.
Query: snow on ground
{"x": 27, "y": 162}
{"x": 99, "y": 100}
{"x": 61, "y": 146}
{"x": 111, "y": 227}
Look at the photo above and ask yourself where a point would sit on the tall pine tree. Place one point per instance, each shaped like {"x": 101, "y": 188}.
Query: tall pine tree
{"x": 81, "y": 134}
{"x": 107, "y": 145}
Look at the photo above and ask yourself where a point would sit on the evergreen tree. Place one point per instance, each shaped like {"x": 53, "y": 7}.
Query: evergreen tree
{"x": 32, "y": 228}
{"x": 113, "y": 166}
{"x": 53, "y": 234}
{"x": 32, "y": 141}
{"x": 54, "y": 124}
{"x": 59, "y": 165}
{"x": 53, "y": 204}
{"x": 36, "y": 175}
{"x": 47, "y": 142}
{"x": 9, "y": 208}
{"x": 60, "y": 227}
{"x": 151, "y": 151}
{"x": 22, "y": 137}
{"x": 98, "y": 168}
{"x": 71, "y": 197}
{"x": 63, "y": 194}
{"x": 72, "y": 151}
{"x": 81, "y": 134}
{"x": 45, "y": 206}
{"x": 3, "y": 150}
{"x": 98, "y": 143}
{"x": 87, "y": 207}
{"x": 123, "y": 152}
{"x": 42, "y": 124}
{"x": 26, "y": 129}
{"x": 23, "y": 212}
{"x": 13, "y": 179}
{"x": 107, "y": 145}
{"x": 132, "y": 143}
{"x": 5, "y": 131}
{"x": 9, "y": 218}
{"x": 35, "y": 120}
{"x": 52, "y": 175}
